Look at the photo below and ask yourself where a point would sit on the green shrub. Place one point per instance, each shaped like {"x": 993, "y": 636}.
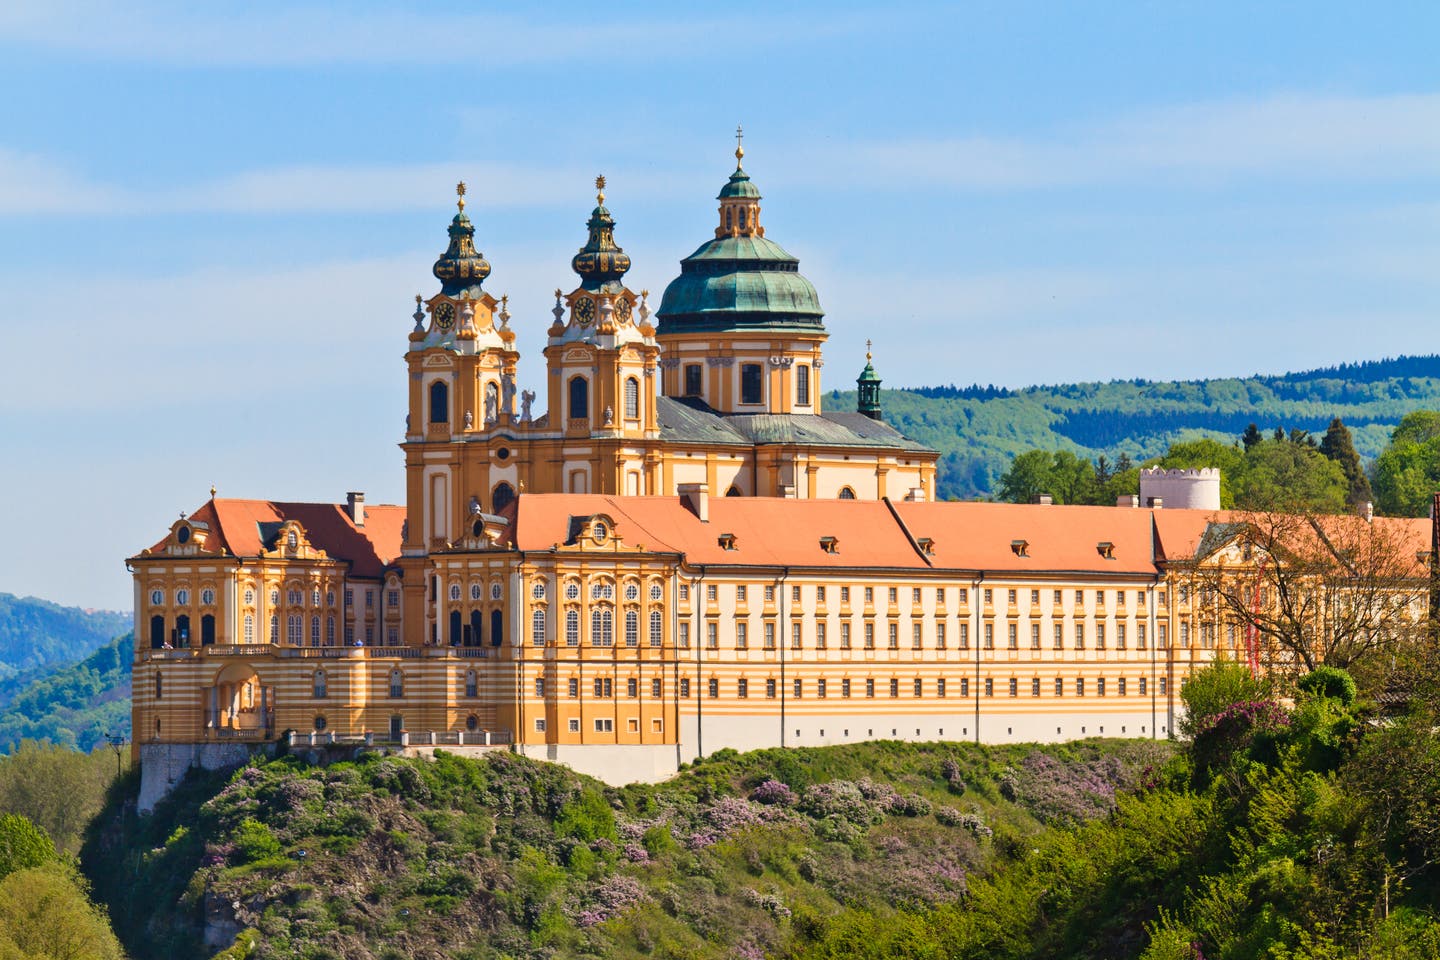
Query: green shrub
{"x": 1211, "y": 691}
{"x": 254, "y": 841}
{"x": 588, "y": 817}
{"x": 1329, "y": 682}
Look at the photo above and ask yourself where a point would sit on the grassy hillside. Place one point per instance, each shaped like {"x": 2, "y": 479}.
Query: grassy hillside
{"x": 979, "y": 429}
{"x": 76, "y": 705}
{"x": 743, "y": 856}
{"x": 37, "y": 634}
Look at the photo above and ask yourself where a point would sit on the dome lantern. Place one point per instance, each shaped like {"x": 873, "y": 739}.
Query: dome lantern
{"x": 600, "y": 263}
{"x": 461, "y": 268}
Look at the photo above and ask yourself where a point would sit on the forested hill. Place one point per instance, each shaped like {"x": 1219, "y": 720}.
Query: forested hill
{"x": 36, "y": 634}
{"x": 978, "y": 429}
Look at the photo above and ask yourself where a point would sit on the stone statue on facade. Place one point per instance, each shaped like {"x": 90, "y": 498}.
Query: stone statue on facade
{"x": 527, "y": 397}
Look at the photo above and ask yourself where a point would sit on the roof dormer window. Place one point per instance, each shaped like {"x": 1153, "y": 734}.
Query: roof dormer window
{"x": 726, "y": 541}
{"x": 1021, "y": 548}
{"x": 1106, "y": 549}
{"x": 830, "y": 544}
{"x": 927, "y": 546}
{"x": 182, "y": 535}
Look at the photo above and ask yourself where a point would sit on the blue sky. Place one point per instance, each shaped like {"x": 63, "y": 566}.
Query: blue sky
{"x": 214, "y": 217}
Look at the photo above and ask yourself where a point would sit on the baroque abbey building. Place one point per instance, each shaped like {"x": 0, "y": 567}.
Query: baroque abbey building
{"x": 683, "y": 551}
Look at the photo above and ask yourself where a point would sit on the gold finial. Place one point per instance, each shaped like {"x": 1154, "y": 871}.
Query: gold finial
{"x": 504, "y": 299}
{"x": 418, "y": 299}
{"x": 867, "y": 351}
{"x": 558, "y": 294}
{"x": 600, "y": 189}
{"x": 460, "y": 192}
{"x": 739, "y": 146}
{"x": 212, "y": 491}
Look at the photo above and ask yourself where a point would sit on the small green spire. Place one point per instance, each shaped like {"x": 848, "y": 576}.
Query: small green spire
{"x": 868, "y": 394}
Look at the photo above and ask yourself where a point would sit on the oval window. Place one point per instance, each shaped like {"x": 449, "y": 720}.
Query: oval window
{"x": 182, "y": 535}
{"x": 472, "y": 723}
{"x": 320, "y": 723}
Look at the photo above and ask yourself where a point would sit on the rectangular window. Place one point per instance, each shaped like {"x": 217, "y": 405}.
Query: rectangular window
{"x": 989, "y": 594}
{"x": 989, "y": 636}
{"x": 964, "y": 596}
{"x": 574, "y": 724}
{"x": 1100, "y": 687}
{"x": 1059, "y": 687}
{"x": 1142, "y": 686}
{"x": 1079, "y": 636}
{"x": 713, "y": 688}
{"x": 712, "y": 593}
{"x": 918, "y": 687}
{"x": 1162, "y": 686}
{"x": 844, "y": 594}
{"x": 632, "y": 688}
{"x": 940, "y": 636}
{"x": 820, "y": 635}
{"x": 769, "y": 594}
{"x": 939, "y": 596}
{"x": 1034, "y": 598}
{"x": 989, "y": 687}
{"x": 845, "y": 689}
{"x": 742, "y": 689}
{"x": 540, "y": 688}
{"x": 1012, "y": 639}
{"x": 914, "y": 594}
{"x": 1059, "y": 637}
{"x": 769, "y": 635}
{"x": 940, "y": 688}
{"x": 1140, "y": 636}
{"x": 795, "y": 636}
{"x": 742, "y": 635}
{"x": 964, "y": 686}
{"x": 916, "y": 635}
{"x": 1099, "y": 598}
{"x": 604, "y": 725}
{"x": 539, "y": 724}
{"x": 870, "y": 688}
{"x": 802, "y": 384}
{"x": 894, "y": 687}
{"x": 794, "y": 594}
{"x": 684, "y": 635}
{"x": 845, "y": 635}
{"x": 964, "y": 636}
{"x": 684, "y": 687}
{"x": 1120, "y": 636}
{"x": 892, "y": 636}
{"x": 1034, "y": 636}
{"x": 820, "y": 689}
{"x": 893, "y": 594}
{"x": 684, "y": 591}
{"x": 1014, "y": 687}
{"x": 797, "y": 689}
{"x": 740, "y": 594}
{"x": 869, "y": 635}
{"x": 1079, "y": 598}
{"x": 573, "y": 688}
{"x": 869, "y": 594}
{"x": 712, "y": 635}
{"x": 819, "y": 594}
{"x": 751, "y": 384}
{"x": 1120, "y": 687}
{"x": 692, "y": 379}
{"x": 1161, "y": 598}
{"x": 1162, "y": 635}
{"x": 1010, "y": 597}
{"x": 1080, "y": 687}
{"x": 770, "y": 689}
{"x": 1099, "y": 636}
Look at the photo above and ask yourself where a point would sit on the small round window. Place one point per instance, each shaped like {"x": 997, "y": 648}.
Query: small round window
{"x": 655, "y": 591}
{"x": 321, "y": 723}
{"x": 503, "y": 453}
{"x": 632, "y": 592}
{"x": 250, "y": 596}
{"x": 182, "y": 535}
{"x": 599, "y": 532}
{"x": 572, "y": 591}
{"x": 472, "y": 723}
{"x": 537, "y": 592}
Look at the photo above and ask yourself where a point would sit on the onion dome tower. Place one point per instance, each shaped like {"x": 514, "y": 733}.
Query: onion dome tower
{"x": 600, "y": 263}
{"x": 461, "y": 269}
{"x": 868, "y": 389}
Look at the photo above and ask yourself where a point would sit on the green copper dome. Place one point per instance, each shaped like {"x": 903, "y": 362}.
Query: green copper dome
{"x": 739, "y": 280}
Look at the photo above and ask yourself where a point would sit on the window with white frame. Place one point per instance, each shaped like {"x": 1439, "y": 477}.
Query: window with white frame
{"x": 656, "y": 628}
{"x": 537, "y": 628}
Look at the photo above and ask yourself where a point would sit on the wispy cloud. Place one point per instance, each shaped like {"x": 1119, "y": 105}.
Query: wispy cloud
{"x": 1295, "y": 137}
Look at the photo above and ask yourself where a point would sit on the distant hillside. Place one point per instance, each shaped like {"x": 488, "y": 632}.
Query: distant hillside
{"x": 36, "y": 634}
{"x": 978, "y": 429}
{"x": 76, "y": 705}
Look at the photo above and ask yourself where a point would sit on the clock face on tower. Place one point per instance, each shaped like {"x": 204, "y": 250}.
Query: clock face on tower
{"x": 622, "y": 309}
{"x": 584, "y": 310}
{"x": 445, "y": 315}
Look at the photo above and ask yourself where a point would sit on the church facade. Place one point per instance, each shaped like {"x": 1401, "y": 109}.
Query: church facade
{"x": 684, "y": 551}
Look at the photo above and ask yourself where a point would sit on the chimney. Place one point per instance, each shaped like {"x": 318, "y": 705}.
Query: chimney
{"x": 355, "y": 506}
{"x": 1127, "y": 500}
{"x": 1044, "y": 499}
{"x": 695, "y": 497}
{"x": 1156, "y": 503}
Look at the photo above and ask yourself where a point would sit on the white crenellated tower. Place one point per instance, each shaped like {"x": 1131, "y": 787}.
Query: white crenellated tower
{"x": 1194, "y": 489}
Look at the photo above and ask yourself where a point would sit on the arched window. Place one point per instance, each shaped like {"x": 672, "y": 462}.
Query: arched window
{"x": 275, "y": 629}
{"x": 632, "y": 628}
{"x": 293, "y": 624}
{"x": 182, "y": 631}
{"x": 847, "y": 494}
{"x": 314, "y": 631}
{"x": 572, "y": 628}
{"x": 329, "y": 631}
{"x": 477, "y": 628}
{"x": 455, "y": 627}
{"x": 537, "y": 628}
{"x": 157, "y": 632}
{"x": 502, "y": 497}
{"x": 292, "y": 541}
{"x": 655, "y": 628}
{"x": 318, "y": 682}
{"x": 439, "y": 402}
{"x": 579, "y": 398}
{"x": 397, "y": 684}
{"x": 602, "y": 627}
{"x": 632, "y": 398}
{"x": 802, "y": 384}
{"x": 497, "y": 628}
{"x": 249, "y": 628}
{"x": 472, "y": 684}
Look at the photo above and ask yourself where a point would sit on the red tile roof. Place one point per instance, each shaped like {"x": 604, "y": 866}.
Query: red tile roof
{"x": 236, "y": 525}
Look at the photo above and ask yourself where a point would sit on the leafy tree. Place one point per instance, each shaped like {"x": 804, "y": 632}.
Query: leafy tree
{"x": 1251, "y": 436}
{"x": 1280, "y": 475}
{"x": 45, "y": 914}
{"x": 1407, "y": 472}
{"x": 1215, "y": 688}
{"x": 57, "y": 789}
{"x": 1029, "y": 476}
{"x": 22, "y": 845}
{"x": 1339, "y": 447}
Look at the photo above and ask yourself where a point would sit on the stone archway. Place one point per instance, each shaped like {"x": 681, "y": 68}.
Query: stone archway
{"x": 239, "y": 704}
